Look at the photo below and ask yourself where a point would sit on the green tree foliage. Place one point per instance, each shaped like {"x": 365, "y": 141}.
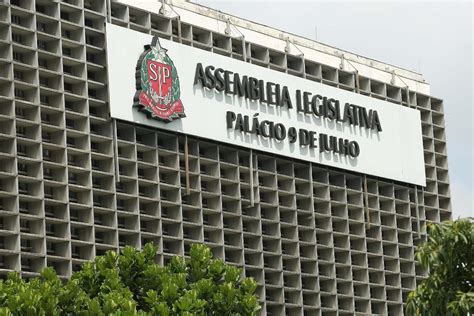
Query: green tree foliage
{"x": 130, "y": 283}
{"x": 448, "y": 255}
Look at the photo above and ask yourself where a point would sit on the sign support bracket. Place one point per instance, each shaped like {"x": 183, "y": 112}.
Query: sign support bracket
{"x": 252, "y": 198}
{"x": 162, "y": 11}
{"x": 366, "y": 198}
{"x": 109, "y": 11}
{"x": 356, "y": 73}
{"x": 408, "y": 97}
{"x": 186, "y": 165}
{"x": 228, "y": 31}
{"x": 288, "y": 45}
{"x": 357, "y": 82}
{"x": 417, "y": 212}
{"x": 116, "y": 161}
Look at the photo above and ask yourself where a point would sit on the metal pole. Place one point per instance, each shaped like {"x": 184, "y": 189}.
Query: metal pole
{"x": 116, "y": 160}
{"x": 357, "y": 82}
{"x": 186, "y": 165}
{"x": 244, "y": 51}
{"x": 417, "y": 212}
{"x": 180, "y": 38}
{"x": 304, "y": 65}
{"x": 408, "y": 97}
{"x": 251, "y": 178}
{"x": 109, "y": 12}
{"x": 366, "y": 195}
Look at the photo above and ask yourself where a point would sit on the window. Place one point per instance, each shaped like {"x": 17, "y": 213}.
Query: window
{"x": 23, "y": 206}
{"x": 69, "y": 105}
{"x": 67, "y": 69}
{"x": 47, "y": 174}
{"x": 21, "y": 150}
{"x": 48, "y": 192}
{"x": 23, "y": 188}
{"x": 22, "y": 169}
{"x": 44, "y": 99}
{"x": 66, "y": 33}
{"x": 65, "y": 15}
{"x": 95, "y": 164}
{"x": 121, "y": 222}
{"x": 45, "y": 118}
{"x": 67, "y": 51}
{"x": 16, "y": 19}
{"x": 40, "y": 8}
{"x": 46, "y": 154}
{"x": 90, "y": 57}
{"x": 99, "y": 237}
{"x": 96, "y": 183}
{"x": 93, "y": 111}
{"x": 119, "y": 187}
{"x": 18, "y": 56}
{"x": 88, "y": 4}
{"x": 73, "y": 196}
{"x": 72, "y": 160}
{"x": 142, "y": 190}
{"x": 19, "y": 93}
{"x": 50, "y": 247}
{"x": 40, "y": 26}
{"x": 120, "y": 205}
{"x": 44, "y": 81}
{"x": 74, "y": 215}
{"x": 70, "y": 123}
{"x": 97, "y": 201}
{"x": 95, "y": 129}
{"x": 94, "y": 146}
{"x": 21, "y": 131}
{"x": 15, "y": 2}
{"x": 18, "y": 75}
{"x": 91, "y": 75}
{"x": 25, "y": 243}
{"x": 17, "y": 38}
{"x": 43, "y": 63}
{"x": 88, "y": 22}
{"x": 74, "y": 232}
{"x": 49, "y": 211}
{"x": 98, "y": 219}
{"x": 19, "y": 112}
{"x": 41, "y": 45}
{"x": 67, "y": 87}
{"x": 72, "y": 177}
{"x": 75, "y": 252}
{"x": 50, "y": 230}
{"x": 46, "y": 136}
{"x": 71, "y": 141}
{"x": 89, "y": 40}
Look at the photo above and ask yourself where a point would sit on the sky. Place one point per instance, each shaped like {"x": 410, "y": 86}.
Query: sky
{"x": 433, "y": 38}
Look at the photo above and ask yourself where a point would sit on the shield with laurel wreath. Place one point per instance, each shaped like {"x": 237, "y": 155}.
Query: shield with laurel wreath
{"x": 158, "y": 91}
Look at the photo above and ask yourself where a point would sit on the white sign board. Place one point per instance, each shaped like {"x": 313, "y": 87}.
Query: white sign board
{"x": 389, "y": 147}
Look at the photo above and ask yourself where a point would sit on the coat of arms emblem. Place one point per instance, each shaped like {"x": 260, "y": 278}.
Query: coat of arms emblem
{"x": 158, "y": 91}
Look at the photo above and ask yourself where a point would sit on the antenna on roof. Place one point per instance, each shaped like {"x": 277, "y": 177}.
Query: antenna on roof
{"x": 316, "y": 33}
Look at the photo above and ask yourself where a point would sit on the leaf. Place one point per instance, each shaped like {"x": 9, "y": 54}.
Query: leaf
{"x": 131, "y": 283}
{"x": 448, "y": 254}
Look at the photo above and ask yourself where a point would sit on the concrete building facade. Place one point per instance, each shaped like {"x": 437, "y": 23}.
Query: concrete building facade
{"x": 75, "y": 183}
